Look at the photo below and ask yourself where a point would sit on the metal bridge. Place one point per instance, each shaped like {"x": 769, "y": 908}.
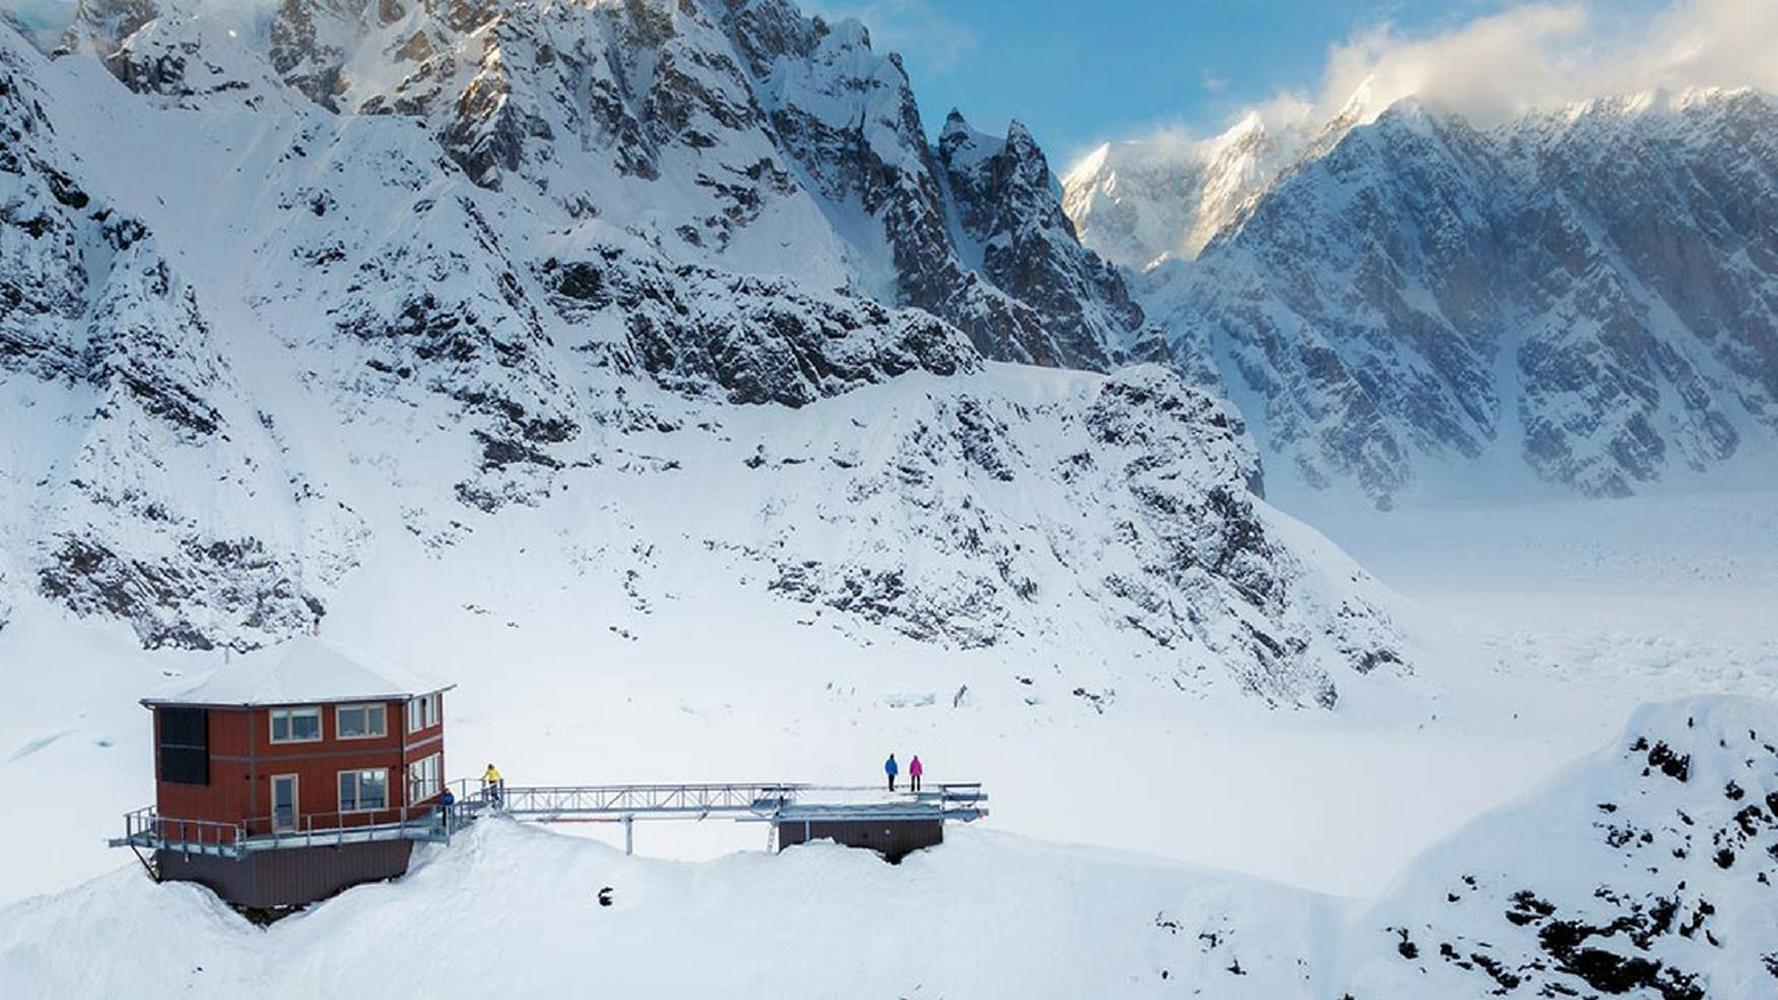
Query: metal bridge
{"x": 548, "y": 803}
{"x": 766, "y": 801}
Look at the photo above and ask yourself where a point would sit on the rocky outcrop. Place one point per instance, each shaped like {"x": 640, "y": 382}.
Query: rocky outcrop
{"x": 1014, "y": 230}
{"x": 1178, "y": 558}
{"x": 746, "y": 340}
{"x": 1643, "y": 872}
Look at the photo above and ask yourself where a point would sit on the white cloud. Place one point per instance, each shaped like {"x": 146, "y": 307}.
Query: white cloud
{"x": 1215, "y": 84}
{"x": 1496, "y": 65}
{"x": 1538, "y": 55}
{"x": 911, "y": 27}
{"x": 1534, "y": 55}
{"x": 1727, "y": 43}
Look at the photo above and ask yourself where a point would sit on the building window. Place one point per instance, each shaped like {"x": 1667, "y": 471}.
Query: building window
{"x": 422, "y": 712}
{"x": 424, "y": 779}
{"x": 184, "y": 745}
{"x": 296, "y": 725}
{"x": 363, "y": 791}
{"x": 361, "y": 722}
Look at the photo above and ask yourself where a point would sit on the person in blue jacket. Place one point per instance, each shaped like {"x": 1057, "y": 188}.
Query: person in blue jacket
{"x": 445, "y": 802}
{"x": 891, "y": 768}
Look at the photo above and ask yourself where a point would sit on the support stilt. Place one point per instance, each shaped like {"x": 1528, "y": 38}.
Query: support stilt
{"x": 147, "y": 865}
{"x": 629, "y": 834}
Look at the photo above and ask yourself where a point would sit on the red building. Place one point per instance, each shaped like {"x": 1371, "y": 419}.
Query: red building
{"x": 291, "y": 774}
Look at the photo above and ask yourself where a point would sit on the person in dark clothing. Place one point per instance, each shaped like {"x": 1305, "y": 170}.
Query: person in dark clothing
{"x": 891, "y": 768}
{"x": 445, "y": 802}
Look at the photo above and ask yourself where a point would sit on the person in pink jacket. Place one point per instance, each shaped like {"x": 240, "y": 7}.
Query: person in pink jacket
{"x": 915, "y": 769}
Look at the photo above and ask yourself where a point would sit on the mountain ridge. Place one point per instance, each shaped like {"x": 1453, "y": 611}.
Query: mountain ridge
{"x": 744, "y": 134}
{"x": 356, "y": 356}
{"x": 1591, "y": 291}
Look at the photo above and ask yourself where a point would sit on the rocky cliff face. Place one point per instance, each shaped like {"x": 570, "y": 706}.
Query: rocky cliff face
{"x": 119, "y": 384}
{"x": 1590, "y": 295}
{"x": 272, "y": 346}
{"x": 737, "y": 132}
{"x": 1013, "y": 231}
{"x": 1176, "y": 552}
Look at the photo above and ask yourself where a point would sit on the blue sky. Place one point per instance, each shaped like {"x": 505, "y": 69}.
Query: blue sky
{"x": 1081, "y": 71}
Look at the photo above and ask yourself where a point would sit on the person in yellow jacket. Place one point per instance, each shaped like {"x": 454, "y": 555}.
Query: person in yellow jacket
{"x": 493, "y": 786}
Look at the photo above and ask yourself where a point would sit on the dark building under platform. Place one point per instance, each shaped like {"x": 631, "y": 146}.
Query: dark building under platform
{"x": 892, "y": 829}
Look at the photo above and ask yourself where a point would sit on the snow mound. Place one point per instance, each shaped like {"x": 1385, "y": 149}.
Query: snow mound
{"x": 1643, "y": 872}
{"x": 1646, "y": 870}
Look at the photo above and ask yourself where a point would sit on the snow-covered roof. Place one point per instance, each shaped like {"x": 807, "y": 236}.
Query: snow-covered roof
{"x": 303, "y": 670}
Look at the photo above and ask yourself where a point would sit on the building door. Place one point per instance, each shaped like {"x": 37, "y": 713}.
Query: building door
{"x": 284, "y": 809}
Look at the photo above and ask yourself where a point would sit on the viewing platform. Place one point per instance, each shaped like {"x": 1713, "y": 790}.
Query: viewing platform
{"x": 146, "y": 829}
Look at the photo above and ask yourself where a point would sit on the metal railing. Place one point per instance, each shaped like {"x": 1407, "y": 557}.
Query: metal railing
{"x": 962, "y": 801}
{"x": 146, "y": 829}
{"x": 617, "y": 801}
{"x": 422, "y": 822}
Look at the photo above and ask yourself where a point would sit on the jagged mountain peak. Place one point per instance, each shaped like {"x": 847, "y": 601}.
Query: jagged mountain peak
{"x": 1014, "y": 231}
{"x": 1249, "y": 127}
{"x": 958, "y": 136}
{"x": 1577, "y": 298}
{"x": 735, "y": 134}
{"x": 1140, "y": 203}
{"x": 1020, "y": 137}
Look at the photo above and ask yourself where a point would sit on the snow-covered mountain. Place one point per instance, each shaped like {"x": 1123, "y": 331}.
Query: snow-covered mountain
{"x": 1588, "y": 295}
{"x": 1141, "y": 202}
{"x": 735, "y": 133}
{"x": 299, "y": 306}
{"x": 1644, "y": 871}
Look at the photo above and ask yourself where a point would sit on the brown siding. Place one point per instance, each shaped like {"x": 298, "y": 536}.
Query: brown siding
{"x": 288, "y": 877}
{"x": 225, "y": 797}
{"x": 894, "y": 839}
{"x": 243, "y": 761}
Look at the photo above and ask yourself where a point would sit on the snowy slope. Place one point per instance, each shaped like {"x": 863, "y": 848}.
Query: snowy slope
{"x": 1644, "y": 871}
{"x": 1414, "y": 307}
{"x": 339, "y": 350}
